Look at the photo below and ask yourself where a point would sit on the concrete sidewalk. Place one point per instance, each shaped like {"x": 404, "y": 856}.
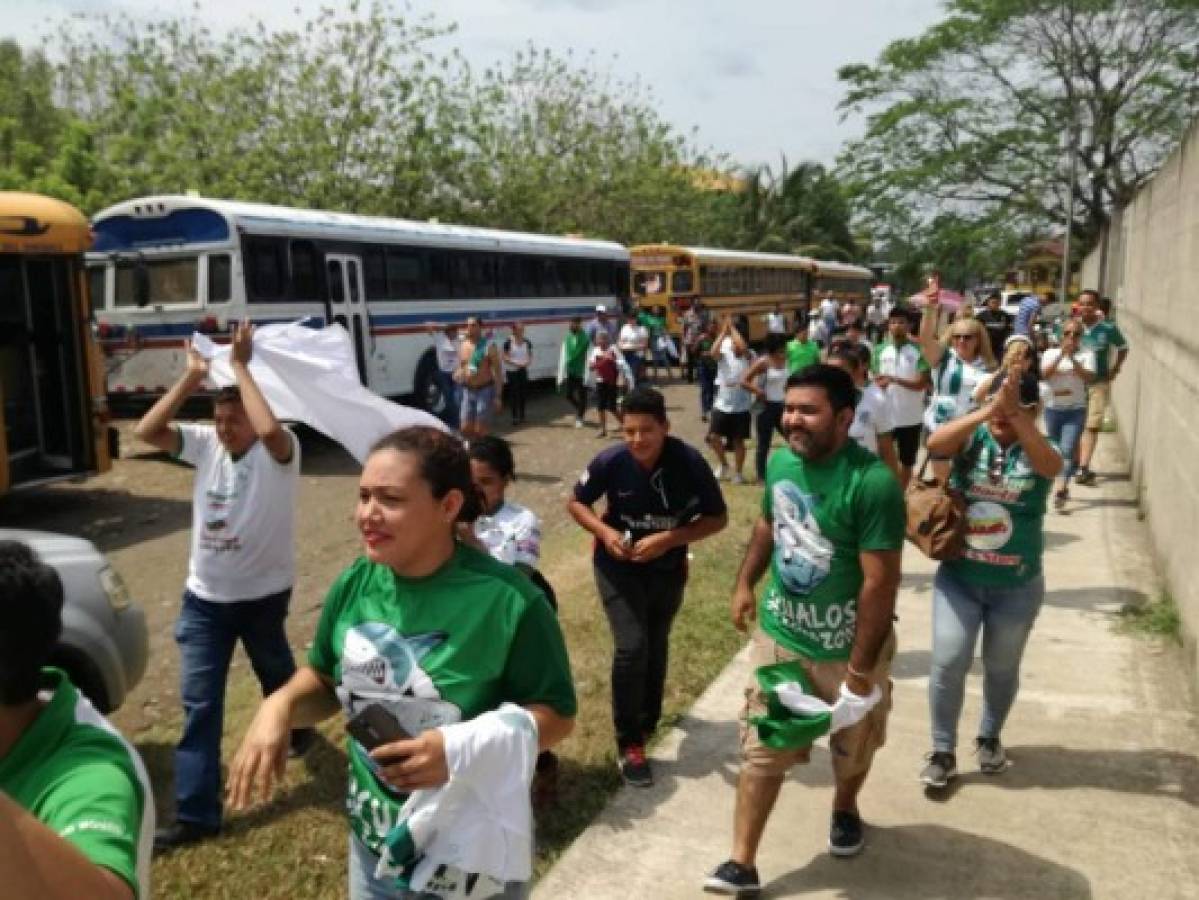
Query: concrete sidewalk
{"x": 1102, "y": 799}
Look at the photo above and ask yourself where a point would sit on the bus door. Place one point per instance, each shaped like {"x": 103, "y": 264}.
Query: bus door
{"x": 40, "y": 369}
{"x": 347, "y": 305}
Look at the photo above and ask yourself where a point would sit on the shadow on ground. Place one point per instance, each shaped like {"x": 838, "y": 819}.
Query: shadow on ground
{"x": 931, "y": 862}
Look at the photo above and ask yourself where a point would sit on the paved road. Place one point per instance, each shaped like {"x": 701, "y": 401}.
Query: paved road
{"x": 1102, "y": 799}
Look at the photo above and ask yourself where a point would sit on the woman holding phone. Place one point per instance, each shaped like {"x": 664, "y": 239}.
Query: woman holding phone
{"x": 958, "y": 365}
{"x": 429, "y": 629}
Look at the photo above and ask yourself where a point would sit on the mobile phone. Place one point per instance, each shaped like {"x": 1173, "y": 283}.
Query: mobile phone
{"x": 373, "y": 726}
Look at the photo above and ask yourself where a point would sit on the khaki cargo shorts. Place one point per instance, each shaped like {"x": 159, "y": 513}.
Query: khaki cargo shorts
{"x": 852, "y": 748}
{"x": 1099, "y": 395}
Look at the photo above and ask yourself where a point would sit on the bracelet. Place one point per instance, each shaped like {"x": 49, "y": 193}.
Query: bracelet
{"x": 850, "y": 670}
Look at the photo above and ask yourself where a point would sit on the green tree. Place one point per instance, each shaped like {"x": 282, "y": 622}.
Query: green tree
{"x": 795, "y": 210}
{"x": 971, "y": 117}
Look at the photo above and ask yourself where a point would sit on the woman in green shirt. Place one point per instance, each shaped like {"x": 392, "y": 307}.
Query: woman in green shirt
{"x": 426, "y": 629}
{"x": 1005, "y": 468}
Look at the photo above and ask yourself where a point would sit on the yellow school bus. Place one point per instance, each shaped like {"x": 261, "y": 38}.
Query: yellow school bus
{"x": 842, "y": 281}
{"x": 666, "y": 279}
{"x": 52, "y": 401}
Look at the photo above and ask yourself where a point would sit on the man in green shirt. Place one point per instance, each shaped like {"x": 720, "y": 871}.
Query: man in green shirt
{"x": 801, "y": 352}
{"x": 574, "y": 360}
{"x": 831, "y": 534}
{"x": 76, "y": 813}
{"x": 1099, "y": 338}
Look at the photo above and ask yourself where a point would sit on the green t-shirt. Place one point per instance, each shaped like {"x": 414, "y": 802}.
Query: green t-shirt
{"x": 434, "y": 651}
{"x": 800, "y": 355}
{"x": 1099, "y": 340}
{"x": 576, "y": 353}
{"x": 1004, "y": 518}
{"x": 822, "y": 516}
{"x": 76, "y": 775}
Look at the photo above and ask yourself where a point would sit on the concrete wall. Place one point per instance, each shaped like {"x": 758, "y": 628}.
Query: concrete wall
{"x": 1149, "y": 264}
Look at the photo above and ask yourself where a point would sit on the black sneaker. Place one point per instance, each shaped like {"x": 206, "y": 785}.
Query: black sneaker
{"x": 634, "y": 767}
{"x": 845, "y": 833}
{"x": 1085, "y": 477}
{"x": 941, "y": 767}
{"x": 301, "y": 742}
{"x": 734, "y": 880}
{"x": 181, "y": 834}
{"x": 992, "y": 758}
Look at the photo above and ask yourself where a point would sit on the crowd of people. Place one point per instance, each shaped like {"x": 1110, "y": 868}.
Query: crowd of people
{"x": 440, "y": 643}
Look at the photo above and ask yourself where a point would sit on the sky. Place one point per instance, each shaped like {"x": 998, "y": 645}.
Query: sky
{"x": 755, "y": 78}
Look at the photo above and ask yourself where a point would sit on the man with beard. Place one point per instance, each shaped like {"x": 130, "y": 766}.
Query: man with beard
{"x": 831, "y": 532}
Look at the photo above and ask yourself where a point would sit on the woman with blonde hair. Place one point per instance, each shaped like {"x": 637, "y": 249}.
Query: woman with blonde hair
{"x": 959, "y": 362}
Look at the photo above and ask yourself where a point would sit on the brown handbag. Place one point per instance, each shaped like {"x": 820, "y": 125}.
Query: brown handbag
{"x": 936, "y": 518}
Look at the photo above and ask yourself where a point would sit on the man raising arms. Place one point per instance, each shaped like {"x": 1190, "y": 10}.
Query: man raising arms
{"x": 831, "y": 533}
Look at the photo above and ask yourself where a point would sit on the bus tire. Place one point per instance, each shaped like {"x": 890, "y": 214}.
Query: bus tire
{"x": 427, "y": 393}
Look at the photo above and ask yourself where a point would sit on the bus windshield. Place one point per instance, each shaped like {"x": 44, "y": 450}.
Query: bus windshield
{"x": 170, "y": 282}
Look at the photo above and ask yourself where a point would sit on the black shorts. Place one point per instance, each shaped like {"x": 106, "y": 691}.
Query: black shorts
{"x": 731, "y": 426}
{"x": 605, "y": 396}
{"x": 907, "y": 443}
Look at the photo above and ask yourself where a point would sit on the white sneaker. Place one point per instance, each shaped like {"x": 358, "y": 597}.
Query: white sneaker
{"x": 719, "y": 473}
{"x": 578, "y": 423}
{"x": 738, "y": 478}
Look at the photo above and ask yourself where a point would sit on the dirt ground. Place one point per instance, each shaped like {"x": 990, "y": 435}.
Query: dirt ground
{"x": 139, "y": 514}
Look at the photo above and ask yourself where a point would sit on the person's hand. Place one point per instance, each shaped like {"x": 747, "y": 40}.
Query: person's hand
{"x": 242, "y": 346}
{"x": 415, "y": 764}
{"x": 651, "y": 547}
{"x": 1007, "y": 399}
{"x": 613, "y": 542}
{"x": 197, "y": 365}
{"x": 742, "y": 607}
{"x": 262, "y": 757}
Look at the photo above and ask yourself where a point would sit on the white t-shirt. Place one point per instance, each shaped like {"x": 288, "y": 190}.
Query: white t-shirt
{"x": 776, "y": 323}
{"x": 512, "y": 535}
{"x": 828, "y": 309}
{"x": 730, "y": 369}
{"x": 905, "y": 405}
{"x": 520, "y": 352}
{"x": 774, "y": 383}
{"x": 1067, "y": 390}
{"x": 871, "y": 417}
{"x": 633, "y": 338}
{"x": 954, "y": 382}
{"x": 447, "y": 352}
{"x": 875, "y": 315}
{"x": 243, "y": 518}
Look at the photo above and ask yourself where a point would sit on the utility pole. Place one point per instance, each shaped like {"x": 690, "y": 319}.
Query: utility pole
{"x": 1072, "y": 152}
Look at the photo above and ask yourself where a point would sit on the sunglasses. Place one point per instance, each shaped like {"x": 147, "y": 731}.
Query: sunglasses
{"x": 963, "y": 337}
{"x": 1072, "y": 333}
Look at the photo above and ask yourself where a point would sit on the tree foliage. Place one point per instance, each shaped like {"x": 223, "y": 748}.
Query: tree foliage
{"x": 795, "y": 210}
{"x": 971, "y": 116}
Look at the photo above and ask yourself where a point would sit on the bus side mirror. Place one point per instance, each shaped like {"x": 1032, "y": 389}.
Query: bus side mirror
{"x": 141, "y": 285}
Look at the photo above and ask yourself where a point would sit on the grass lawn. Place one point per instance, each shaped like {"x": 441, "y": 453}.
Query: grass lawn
{"x": 295, "y": 845}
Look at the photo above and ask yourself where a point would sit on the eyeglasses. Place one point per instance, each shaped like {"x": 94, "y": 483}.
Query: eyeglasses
{"x": 998, "y": 463}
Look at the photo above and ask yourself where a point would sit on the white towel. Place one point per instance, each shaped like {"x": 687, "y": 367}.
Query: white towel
{"x": 310, "y": 375}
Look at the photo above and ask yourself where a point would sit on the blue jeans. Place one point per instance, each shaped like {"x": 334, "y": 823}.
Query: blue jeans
{"x": 206, "y": 633}
{"x": 1064, "y": 427}
{"x": 1005, "y": 615}
{"x": 365, "y": 886}
{"x": 450, "y": 395}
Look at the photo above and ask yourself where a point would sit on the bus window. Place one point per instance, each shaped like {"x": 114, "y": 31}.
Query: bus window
{"x": 405, "y": 274}
{"x": 305, "y": 269}
{"x": 439, "y": 274}
{"x": 530, "y": 276}
{"x": 266, "y": 271}
{"x": 337, "y": 289}
{"x": 96, "y": 281}
{"x": 682, "y": 282}
{"x": 482, "y": 274}
{"x": 374, "y": 270}
{"x": 649, "y": 282}
{"x": 551, "y": 278}
{"x": 171, "y": 282}
{"x": 220, "y": 281}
